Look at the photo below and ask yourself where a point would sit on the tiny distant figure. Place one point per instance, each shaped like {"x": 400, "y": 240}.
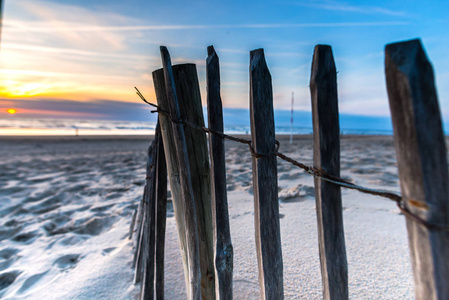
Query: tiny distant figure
{"x": 76, "y": 131}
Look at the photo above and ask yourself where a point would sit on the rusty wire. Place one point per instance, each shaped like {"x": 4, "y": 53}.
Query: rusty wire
{"x": 317, "y": 173}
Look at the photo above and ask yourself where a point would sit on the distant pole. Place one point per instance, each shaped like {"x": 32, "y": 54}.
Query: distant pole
{"x": 291, "y": 120}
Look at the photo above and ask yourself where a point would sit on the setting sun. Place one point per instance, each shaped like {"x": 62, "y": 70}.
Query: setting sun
{"x": 11, "y": 111}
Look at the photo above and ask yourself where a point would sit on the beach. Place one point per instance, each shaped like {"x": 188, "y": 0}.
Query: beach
{"x": 66, "y": 205}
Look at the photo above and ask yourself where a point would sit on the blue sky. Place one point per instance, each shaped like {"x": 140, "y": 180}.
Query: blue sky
{"x": 95, "y": 52}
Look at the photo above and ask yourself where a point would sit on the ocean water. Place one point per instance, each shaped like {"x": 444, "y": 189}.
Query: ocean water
{"x": 236, "y": 121}
{"x": 22, "y": 127}
{"x": 16, "y": 126}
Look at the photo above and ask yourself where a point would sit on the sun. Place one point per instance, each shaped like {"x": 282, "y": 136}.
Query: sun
{"x": 11, "y": 111}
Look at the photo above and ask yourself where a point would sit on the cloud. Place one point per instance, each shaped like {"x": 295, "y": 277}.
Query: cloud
{"x": 97, "y": 109}
{"x": 74, "y": 52}
{"x": 56, "y": 23}
{"x": 74, "y": 28}
{"x": 345, "y": 7}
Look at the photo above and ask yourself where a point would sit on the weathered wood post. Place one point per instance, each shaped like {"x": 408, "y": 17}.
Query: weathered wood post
{"x": 222, "y": 236}
{"x": 266, "y": 204}
{"x": 326, "y": 157}
{"x": 422, "y": 164}
{"x": 187, "y": 87}
{"x": 142, "y": 240}
{"x": 147, "y": 283}
{"x": 189, "y": 96}
{"x": 172, "y": 168}
{"x": 143, "y": 243}
{"x": 161, "y": 214}
{"x": 190, "y": 219}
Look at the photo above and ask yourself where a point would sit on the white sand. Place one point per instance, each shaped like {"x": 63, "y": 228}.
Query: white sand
{"x": 66, "y": 204}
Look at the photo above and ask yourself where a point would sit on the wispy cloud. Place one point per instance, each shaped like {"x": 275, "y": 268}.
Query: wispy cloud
{"x": 76, "y": 52}
{"x": 42, "y": 27}
{"x": 51, "y": 108}
{"x": 346, "y": 7}
{"x": 57, "y": 21}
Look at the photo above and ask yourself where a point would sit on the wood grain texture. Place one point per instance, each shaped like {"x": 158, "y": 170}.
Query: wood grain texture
{"x": 266, "y": 205}
{"x": 161, "y": 216}
{"x": 137, "y": 229}
{"x": 422, "y": 163}
{"x": 326, "y": 157}
{"x": 222, "y": 236}
{"x": 132, "y": 224}
{"x": 190, "y": 107}
{"x": 190, "y": 219}
{"x": 144, "y": 231}
{"x": 172, "y": 168}
{"x": 147, "y": 284}
{"x": 187, "y": 87}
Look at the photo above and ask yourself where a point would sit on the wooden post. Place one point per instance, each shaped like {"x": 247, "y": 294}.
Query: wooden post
{"x": 266, "y": 205}
{"x": 161, "y": 215}
{"x": 140, "y": 244}
{"x": 326, "y": 157}
{"x": 192, "y": 236}
{"x": 189, "y": 96}
{"x": 132, "y": 224}
{"x": 144, "y": 245}
{"x": 172, "y": 168}
{"x": 147, "y": 285}
{"x": 422, "y": 164}
{"x": 138, "y": 228}
{"x": 222, "y": 236}
{"x": 187, "y": 88}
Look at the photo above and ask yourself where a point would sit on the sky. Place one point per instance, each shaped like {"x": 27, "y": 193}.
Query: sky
{"x": 82, "y": 58}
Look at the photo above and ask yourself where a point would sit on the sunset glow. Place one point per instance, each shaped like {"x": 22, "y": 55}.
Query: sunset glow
{"x": 23, "y": 89}
{"x": 93, "y": 51}
{"x": 11, "y": 111}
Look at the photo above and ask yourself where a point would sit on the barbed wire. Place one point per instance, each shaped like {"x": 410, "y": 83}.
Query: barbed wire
{"x": 397, "y": 198}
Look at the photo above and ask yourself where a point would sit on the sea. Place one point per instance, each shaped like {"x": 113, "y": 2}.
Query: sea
{"x": 236, "y": 122}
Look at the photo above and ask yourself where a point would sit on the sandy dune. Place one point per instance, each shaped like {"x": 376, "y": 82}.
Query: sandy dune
{"x": 66, "y": 205}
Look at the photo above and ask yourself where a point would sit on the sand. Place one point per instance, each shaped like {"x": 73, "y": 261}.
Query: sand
{"x": 66, "y": 205}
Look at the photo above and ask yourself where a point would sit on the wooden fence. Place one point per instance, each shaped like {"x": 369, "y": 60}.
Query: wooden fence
{"x": 199, "y": 189}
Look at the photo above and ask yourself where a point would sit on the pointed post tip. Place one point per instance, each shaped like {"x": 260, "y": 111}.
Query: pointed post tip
{"x": 416, "y": 42}
{"x": 256, "y": 53}
{"x": 211, "y": 50}
{"x": 322, "y": 63}
{"x": 323, "y": 46}
{"x": 163, "y": 50}
{"x": 406, "y": 55}
{"x": 257, "y": 58}
{"x": 164, "y": 53}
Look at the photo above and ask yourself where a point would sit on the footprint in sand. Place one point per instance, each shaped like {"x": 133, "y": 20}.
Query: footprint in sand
{"x": 7, "y": 233}
{"x": 8, "y": 253}
{"x": 67, "y": 261}
{"x": 26, "y": 238}
{"x": 101, "y": 208}
{"x": 32, "y": 280}
{"x": 108, "y": 250}
{"x": 8, "y": 278}
{"x": 95, "y": 226}
{"x": 7, "y": 258}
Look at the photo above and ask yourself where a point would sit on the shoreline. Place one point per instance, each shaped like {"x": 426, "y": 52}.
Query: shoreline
{"x": 151, "y": 136}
